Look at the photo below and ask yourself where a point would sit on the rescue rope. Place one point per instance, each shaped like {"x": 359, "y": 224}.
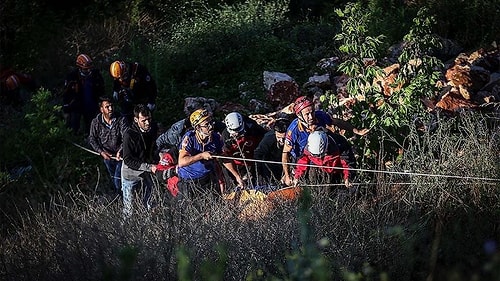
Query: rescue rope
{"x": 93, "y": 152}
{"x": 328, "y": 167}
{"x": 375, "y": 183}
{"x": 362, "y": 170}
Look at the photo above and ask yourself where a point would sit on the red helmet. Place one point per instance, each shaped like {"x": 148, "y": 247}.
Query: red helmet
{"x": 12, "y": 82}
{"x": 83, "y": 61}
{"x": 301, "y": 103}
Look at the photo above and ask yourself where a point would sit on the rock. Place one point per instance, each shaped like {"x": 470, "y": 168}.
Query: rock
{"x": 271, "y": 78}
{"x": 283, "y": 93}
{"x": 193, "y": 103}
{"x": 453, "y": 101}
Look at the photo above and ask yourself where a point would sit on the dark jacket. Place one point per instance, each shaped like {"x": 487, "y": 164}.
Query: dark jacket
{"x": 75, "y": 96}
{"x": 172, "y": 137}
{"x": 104, "y": 137}
{"x": 141, "y": 87}
{"x": 139, "y": 149}
{"x": 269, "y": 150}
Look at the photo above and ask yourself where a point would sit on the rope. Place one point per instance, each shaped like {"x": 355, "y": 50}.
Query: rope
{"x": 91, "y": 151}
{"x": 338, "y": 168}
{"x": 375, "y": 183}
{"x": 364, "y": 170}
{"x": 245, "y": 163}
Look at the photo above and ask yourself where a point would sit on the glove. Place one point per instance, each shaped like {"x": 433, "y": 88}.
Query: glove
{"x": 115, "y": 95}
{"x": 151, "y": 106}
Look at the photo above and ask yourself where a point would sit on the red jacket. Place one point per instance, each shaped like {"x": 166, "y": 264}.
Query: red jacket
{"x": 243, "y": 147}
{"x": 327, "y": 162}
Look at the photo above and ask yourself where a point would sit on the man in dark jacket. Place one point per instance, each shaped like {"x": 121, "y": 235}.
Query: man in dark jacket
{"x": 106, "y": 138}
{"x": 270, "y": 148}
{"x": 139, "y": 158}
{"x": 83, "y": 87}
{"x": 132, "y": 85}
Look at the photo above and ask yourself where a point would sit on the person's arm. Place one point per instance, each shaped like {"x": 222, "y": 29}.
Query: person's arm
{"x": 94, "y": 140}
{"x": 284, "y": 160}
{"x": 185, "y": 159}
{"x": 301, "y": 167}
{"x": 345, "y": 125}
{"x": 231, "y": 168}
{"x": 346, "y": 157}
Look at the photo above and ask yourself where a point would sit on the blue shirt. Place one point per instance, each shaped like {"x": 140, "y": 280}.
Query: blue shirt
{"x": 296, "y": 134}
{"x": 193, "y": 146}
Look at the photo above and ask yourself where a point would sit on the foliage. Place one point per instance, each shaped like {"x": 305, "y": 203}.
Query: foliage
{"x": 227, "y": 44}
{"x": 390, "y": 18}
{"x": 388, "y": 114}
{"x": 471, "y": 23}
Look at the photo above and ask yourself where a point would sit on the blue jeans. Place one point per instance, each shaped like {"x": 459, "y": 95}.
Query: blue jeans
{"x": 115, "y": 172}
{"x": 128, "y": 187}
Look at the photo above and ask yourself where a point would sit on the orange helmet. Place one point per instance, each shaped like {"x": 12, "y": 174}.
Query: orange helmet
{"x": 83, "y": 61}
{"x": 12, "y": 82}
{"x": 301, "y": 103}
{"x": 198, "y": 116}
{"x": 118, "y": 69}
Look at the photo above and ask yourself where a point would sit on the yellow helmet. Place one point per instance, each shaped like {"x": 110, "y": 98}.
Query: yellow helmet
{"x": 83, "y": 61}
{"x": 118, "y": 69}
{"x": 198, "y": 116}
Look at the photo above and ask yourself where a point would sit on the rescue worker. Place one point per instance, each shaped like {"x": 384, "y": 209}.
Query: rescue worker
{"x": 308, "y": 120}
{"x": 241, "y": 137}
{"x": 334, "y": 156}
{"x": 132, "y": 85}
{"x": 82, "y": 89}
{"x": 198, "y": 171}
{"x": 15, "y": 87}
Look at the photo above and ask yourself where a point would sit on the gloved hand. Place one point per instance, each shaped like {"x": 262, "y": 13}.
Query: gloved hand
{"x": 151, "y": 106}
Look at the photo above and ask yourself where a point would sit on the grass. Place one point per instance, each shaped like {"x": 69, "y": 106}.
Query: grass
{"x": 397, "y": 227}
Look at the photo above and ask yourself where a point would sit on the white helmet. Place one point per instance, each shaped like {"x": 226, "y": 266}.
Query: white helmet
{"x": 317, "y": 143}
{"x": 234, "y": 123}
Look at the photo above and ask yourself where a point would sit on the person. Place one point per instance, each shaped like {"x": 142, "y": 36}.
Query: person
{"x": 198, "y": 171}
{"x": 308, "y": 120}
{"x": 270, "y": 149}
{"x": 132, "y": 85}
{"x": 106, "y": 138}
{"x": 172, "y": 137}
{"x": 139, "y": 158}
{"x": 82, "y": 89}
{"x": 333, "y": 155}
{"x": 241, "y": 136}
{"x": 15, "y": 87}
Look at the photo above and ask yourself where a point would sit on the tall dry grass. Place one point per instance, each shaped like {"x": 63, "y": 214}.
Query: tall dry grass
{"x": 429, "y": 229}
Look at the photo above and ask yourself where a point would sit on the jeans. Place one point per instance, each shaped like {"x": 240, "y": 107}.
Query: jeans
{"x": 115, "y": 171}
{"x": 128, "y": 187}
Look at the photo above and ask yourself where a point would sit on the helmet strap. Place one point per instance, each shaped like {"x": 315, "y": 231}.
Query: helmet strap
{"x": 301, "y": 120}
{"x": 202, "y": 137}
